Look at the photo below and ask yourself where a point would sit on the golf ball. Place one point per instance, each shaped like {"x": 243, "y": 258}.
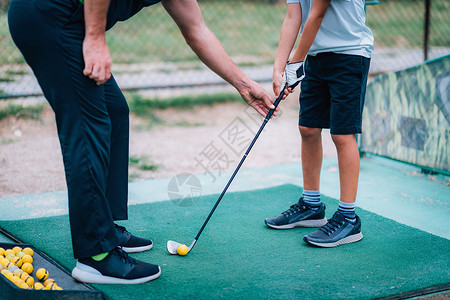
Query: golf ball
{"x": 182, "y": 250}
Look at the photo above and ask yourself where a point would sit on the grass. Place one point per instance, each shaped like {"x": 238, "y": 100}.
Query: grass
{"x": 22, "y": 112}
{"x": 243, "y": 27}
{"x": 188, "y": 124}
{"x": 248, "y": 28}
{"x": 143, "y": 107}
{"x": 142, "y": 163}
{"x": 146, "y": 108}
{"x": 6, "y": 141}
{"x": 400, "y": 23}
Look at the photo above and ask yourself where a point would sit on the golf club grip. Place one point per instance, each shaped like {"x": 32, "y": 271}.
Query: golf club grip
{"x": 266, "y": 119}
{"x": 277, "y": 101}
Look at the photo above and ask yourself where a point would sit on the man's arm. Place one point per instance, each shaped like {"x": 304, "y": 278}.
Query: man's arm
{"x": 188, "y": 17}
{"x": 97, "y": 58}
{"x": 312, "y": 25}
{"x": 289, "y": 32}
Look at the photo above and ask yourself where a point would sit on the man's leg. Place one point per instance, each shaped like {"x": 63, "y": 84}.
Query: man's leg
{"x": 117, "y": 183}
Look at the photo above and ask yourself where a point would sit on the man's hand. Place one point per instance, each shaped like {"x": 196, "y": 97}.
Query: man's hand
{"x": 293, "y": 74}
{"x": 97, "y": 59}
{"x": 258, "y": 98}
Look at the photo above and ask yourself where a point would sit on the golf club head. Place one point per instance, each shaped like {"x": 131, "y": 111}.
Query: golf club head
{"x": 172, "y": 246}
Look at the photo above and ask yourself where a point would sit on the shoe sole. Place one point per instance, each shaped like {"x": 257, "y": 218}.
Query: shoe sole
{"x": 137, "y": 249}
{"x": 347, "y": 240}
{"x": 95, "y": 277}
{"x": 305, "y": 223}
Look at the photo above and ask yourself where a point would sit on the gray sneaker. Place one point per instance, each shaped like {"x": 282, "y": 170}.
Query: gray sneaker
{"x": 337, "y": 231}
{"x": 298, "y": 215}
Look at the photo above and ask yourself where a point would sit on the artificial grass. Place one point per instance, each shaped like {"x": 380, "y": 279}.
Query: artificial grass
{"x": 238, "y": 257}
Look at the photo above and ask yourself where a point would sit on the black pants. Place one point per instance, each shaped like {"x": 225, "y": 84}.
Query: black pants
{"x": 92, "y": 120}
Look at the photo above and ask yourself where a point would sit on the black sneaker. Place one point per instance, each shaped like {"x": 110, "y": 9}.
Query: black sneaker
{"x": 337, "y": 231}
{"x": 116, "y": 268}
{"x": 299, "y": 215}
{"x": 131, "y": 243}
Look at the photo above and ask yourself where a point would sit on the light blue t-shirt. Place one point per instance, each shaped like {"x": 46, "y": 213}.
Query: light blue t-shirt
{"x": 343, "y": 29}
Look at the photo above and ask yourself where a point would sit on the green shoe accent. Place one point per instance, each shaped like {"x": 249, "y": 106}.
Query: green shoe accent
{"x": 100, "y": 256}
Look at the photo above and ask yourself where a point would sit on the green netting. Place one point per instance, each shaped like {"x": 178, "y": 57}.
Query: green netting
{"x": 407, "y": 115}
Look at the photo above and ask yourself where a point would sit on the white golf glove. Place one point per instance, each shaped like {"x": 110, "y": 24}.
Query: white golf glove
{"x": 293, "y": 74}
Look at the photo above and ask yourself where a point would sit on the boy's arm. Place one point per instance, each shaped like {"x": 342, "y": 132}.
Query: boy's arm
{"x": 289, "y": 32}
{"x": 97, "y": 58}
{"x": 312, "y": 25}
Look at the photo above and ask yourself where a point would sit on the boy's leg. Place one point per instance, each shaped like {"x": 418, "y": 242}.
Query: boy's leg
{"x": 314, "y": 115}
{"x": 311, "y": 154}
{"x": 303, "y": 213}
{"x": 346, "y": 76}
{"x": 348, "y": 159}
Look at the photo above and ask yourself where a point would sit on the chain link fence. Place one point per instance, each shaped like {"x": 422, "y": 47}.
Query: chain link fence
{"x": 149, "y": 52}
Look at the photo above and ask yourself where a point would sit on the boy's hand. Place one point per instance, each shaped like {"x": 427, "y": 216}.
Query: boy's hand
{"x": 293, "y": 74}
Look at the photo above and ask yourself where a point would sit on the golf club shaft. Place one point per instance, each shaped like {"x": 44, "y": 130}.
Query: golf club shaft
{"x": 266, "y": 119}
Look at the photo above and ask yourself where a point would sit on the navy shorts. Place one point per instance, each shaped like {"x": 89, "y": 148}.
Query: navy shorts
{"x": 333, "y": 91}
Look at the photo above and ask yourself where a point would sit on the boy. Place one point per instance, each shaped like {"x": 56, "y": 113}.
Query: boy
{"x": 339, "y": 46}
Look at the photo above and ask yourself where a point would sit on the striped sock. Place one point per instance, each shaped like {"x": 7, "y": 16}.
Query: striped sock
{"x": 348, "y": 210}
{"x": 312, "y": 199}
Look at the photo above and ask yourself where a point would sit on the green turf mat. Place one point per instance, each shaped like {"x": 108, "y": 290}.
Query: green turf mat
{"x": 238, "y": 257}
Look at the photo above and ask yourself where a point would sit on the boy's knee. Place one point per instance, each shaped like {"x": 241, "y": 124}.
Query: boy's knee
{"x": 308, "y": 133}
{"x": 343, "y": 139}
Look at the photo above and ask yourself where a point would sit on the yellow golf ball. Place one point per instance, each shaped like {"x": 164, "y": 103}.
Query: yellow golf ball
{"x": 5, "y": 271}
{"x": 42, "y": 274}
{"x": 27, "y": 259}
{"x": 28, "y": 251}
{"x": 10, "y": 256}
{"x": 4, "y": 262}
{"x": 24, "y": 275}
{"x": 18, "y": 272}
{"x": 17, "y": 261}
{"x": 9, "y": 275}
{"x": 38, "y": 286}
{"x": 182, "y": 250}
{"x": 49, "y": 281}
{"x": 16, "y": 250}
{"x": 27, "y": 267}
{"x": 51, "y": 286}
{"x": 29, "y": 280}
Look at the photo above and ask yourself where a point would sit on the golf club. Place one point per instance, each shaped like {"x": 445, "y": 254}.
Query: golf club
{"x": 172, "y": 246}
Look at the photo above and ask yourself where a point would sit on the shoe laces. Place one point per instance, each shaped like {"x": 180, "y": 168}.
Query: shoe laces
{"x": 293, "y": 209}
{"x": 123, "y": 255}
{"x": 331, "y": 226}
{"x": 121, "y": 228}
